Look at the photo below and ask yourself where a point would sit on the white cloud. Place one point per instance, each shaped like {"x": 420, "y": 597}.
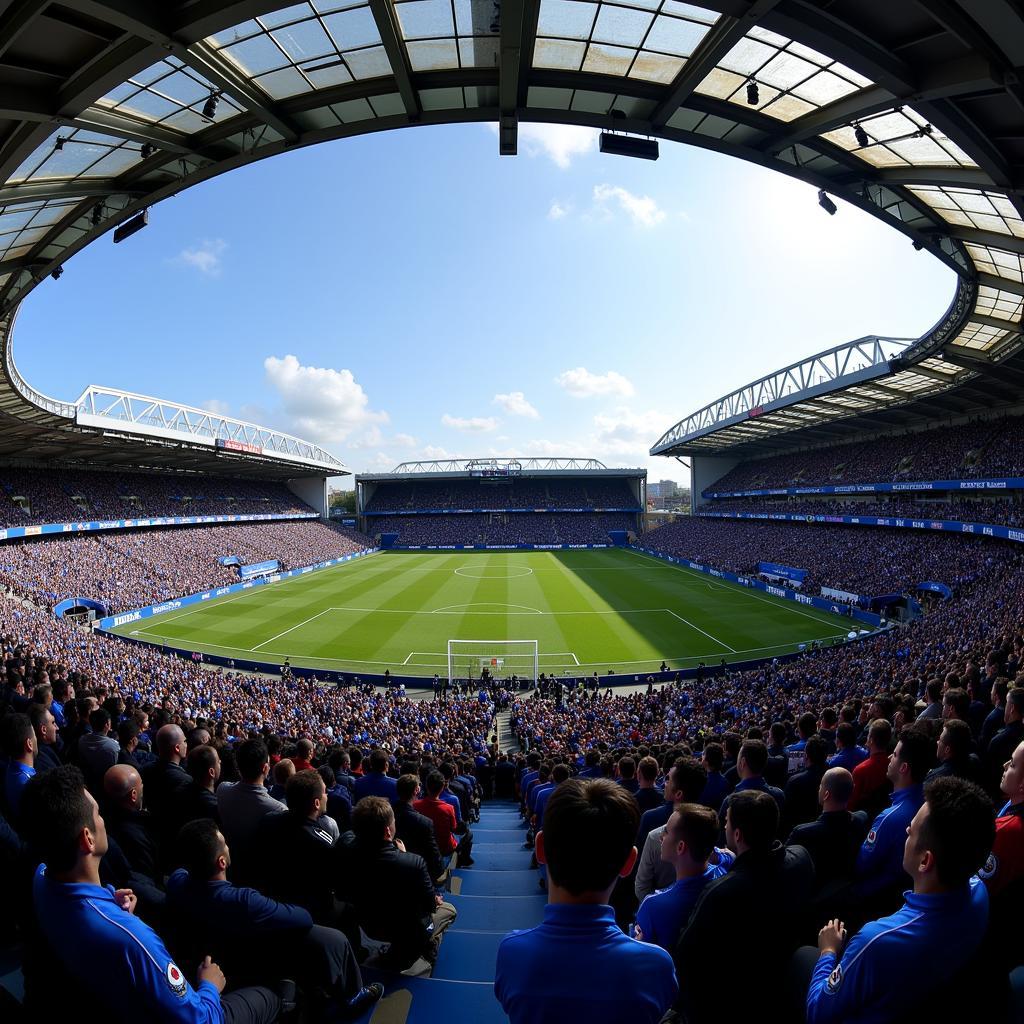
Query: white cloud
{"x": 557, "y": 210}
{"x": 433, "y": 451}
{"x": 581, "y": 383}
{"x": 205, "y": 257}
{"x": 643, "y": 210}
{"x": 471, "y": 424}
{"x": 216, "y": 406}
{"x": 559, "y": 142}
{"x": 624, "y": 432}
{"x": 323, "y": 404}
{"x": 404, "y": 441}
{"x": 515, "y": 404}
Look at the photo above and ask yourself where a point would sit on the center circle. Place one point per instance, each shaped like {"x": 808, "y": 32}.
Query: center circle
{"x": 493, "y": 572}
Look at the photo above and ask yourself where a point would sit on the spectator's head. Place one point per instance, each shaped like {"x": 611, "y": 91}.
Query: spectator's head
{"x": 954, "y": 743}
{"x": 435, "y": 783}
{"x": 999, "y": 690}
{"x": 933, "y": 690}
{"x": 777, "y": 734}
{"x": 685, "y": 781}
{"x": 408, "y": 786}
{"x": 1014, "y": 710}
{"x": 587, "y": 839}
{"x": 647, "y": 771}
{"x": 846, "y": 736}
{"x": 122, "y": 786}
{"x": 912, "y": 759}
{"x": 304, "y": 750}
{"x": 378, "y": 761}
{"x": 829, "y": 718}
{"x": 99, "y": 721}
{"x": 689, "y": 838}
{"x": 19, "y": 739}
{"x": 43, "y": 724}
{"x": 627, "y": 767}
{"x": 879, "y": 736}
{"x": 561, "y": 772}
{"x": 204, "y": 766}
{"x": 170, "y": 744}
{"x": 807, "y": 725}
{"x": 203, "y": 851}
{"x": 751, "y": 821}
{"x": 128, "y": 734}
{"x": 752, "y": 760}
{"x": 713, "y": 757}
{"x": 62, "y": 824}
{"x": 283, "y": 771}
{"x": 956, "y": 703}
{"x": 198, "y": 737}
{"x": 950, "y": 837}
{"x": 253, "y": 761}
{"x": 835, "y": 790}
{"x": 306, "y": 794}
{"x": 815, "y": 752}
{"x": 373, "y": 820}
{"x": 1011, "y": 785}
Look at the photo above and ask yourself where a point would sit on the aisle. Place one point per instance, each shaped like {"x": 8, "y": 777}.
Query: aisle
{"x": 499, "y": 893}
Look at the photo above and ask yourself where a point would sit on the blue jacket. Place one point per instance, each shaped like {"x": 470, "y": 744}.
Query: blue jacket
{"x": 117, "y": 957}
{"x": 880, "y": 861}
{"x": 578, "y": 965}
{"x": 890, "y": 965}
{"x": 663, "y": 914}
{"x": 376, "y": 784}
{"x": 848, "y": 758}
{"x": 233, "y": 908}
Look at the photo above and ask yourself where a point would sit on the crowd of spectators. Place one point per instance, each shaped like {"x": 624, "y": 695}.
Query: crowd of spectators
{"x": 514, "y": 528}
{"x": 862, "y": 560}
{"x": 124, "y": 570}
{"x": 969, "y": 451}
{"x": 1006, "y": 511}
{"x": 36, "y": 496}
{"x": 511, "y": 492}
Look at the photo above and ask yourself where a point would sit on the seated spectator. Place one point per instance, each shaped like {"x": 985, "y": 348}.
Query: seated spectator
{"x": 197, "y": 799}
{"x": 415, "y": 830}
{"x": 890, "y": 965}
{"x": 1005, "y": 865}
{"x": 688, "y": 845}
{"x": 129, "y": 824}
{"x": 647, "y": 795}
{"x": 97, "y": 750}
{"x": 283, "y": 771}
{"x": 802, "y": 788}
{"x": 237, "y": 926}
{"x": 879, "y": 874}
{"x": 627, "y": 775}
{"x": 750, "y": 769}
{"x": 870, "y": 777}
{"x": 339, "y": 799}
{"x": 933, "y": 709}
{"x": 128, "y": 743}
{"x": 119, "y": 961}
{"x": 953, "y": 753}
{"x": 442, "y": 816}
{"x": 44, "y": 725}
{"x": 834, "y": 839}
{"x": 715, "y": 788}
{"x": 164, "y": 779}
{"x": 1007, "y": 739}
{"x": 244, "y": 804}
{"x": 848, "y": 753}
{"x": 578, "y": 963}
{"x": 767, "y": 882}
{"x": 302, "y": 759}
{"x": 559, "y": 774}
{"x": 375, "y": 782}
{"x": 392, "y": 891}
{"x": 19, "y": 747}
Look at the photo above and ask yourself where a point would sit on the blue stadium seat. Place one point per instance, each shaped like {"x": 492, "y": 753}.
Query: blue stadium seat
{"x": 467, "y": 955}
{"x": 505, "y": 857}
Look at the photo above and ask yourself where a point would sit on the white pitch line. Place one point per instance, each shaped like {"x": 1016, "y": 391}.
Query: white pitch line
{"x": 721, "y": 643}
{"x": 289, "y": 630}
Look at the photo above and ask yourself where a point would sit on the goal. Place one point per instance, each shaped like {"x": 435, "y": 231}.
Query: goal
{"x": 468, "y": 659}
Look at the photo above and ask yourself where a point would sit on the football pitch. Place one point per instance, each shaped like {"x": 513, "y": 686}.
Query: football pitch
{"x": 602, "y": 610}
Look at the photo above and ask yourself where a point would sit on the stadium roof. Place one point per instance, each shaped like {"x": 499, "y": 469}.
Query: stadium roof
{"x": 910, "y": 111}
{"x": 526, "y": 465}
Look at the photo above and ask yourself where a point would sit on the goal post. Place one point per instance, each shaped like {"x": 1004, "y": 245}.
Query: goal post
{"x": 467, "y": 659}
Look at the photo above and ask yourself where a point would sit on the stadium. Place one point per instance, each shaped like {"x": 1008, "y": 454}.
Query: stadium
{"x": 264, "y": 763}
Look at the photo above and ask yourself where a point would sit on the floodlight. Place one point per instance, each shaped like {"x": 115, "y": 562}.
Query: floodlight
{"x": 148, "y": 149}
{"x": 753, "y": 96}
{"x": 210, "y": 106}
{"x": 57, "y": 271}
{"x": 826, "y": 203}
{"x": 129, "y": 227}
{"x": 918, "y": 245}
{"x": 629, "y": 145}
{"x": 861, "y": 135}
{"x": 58, "y": 145}
{"x": 96, "y": 217}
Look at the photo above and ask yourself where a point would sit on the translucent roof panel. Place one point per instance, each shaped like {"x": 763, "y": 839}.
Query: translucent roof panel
{"x": 901, "y": 138}
{"x": 72, "y": 153}
{"x": 997, "y": 261}
{"x": 305, "y": 47}
{"x": 169, "y": 94}
{"x": 645, "y": 39}
{"x": 980, "y": 337}
{"x": 972, "y": 208}
{"x": 442, "y": 34}
{"x": 1000, "y": 304}
{"x": 792, "y": 79}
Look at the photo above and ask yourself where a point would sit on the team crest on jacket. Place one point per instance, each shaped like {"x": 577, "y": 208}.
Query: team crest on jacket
{"x": 175, "y": 979}
{"x": 872, "y": 836}
{"x": 990, "y": 867}
{"x": 835, "y": 979}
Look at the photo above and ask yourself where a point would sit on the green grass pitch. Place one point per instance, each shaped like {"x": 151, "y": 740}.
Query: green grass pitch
{"x": 588, "y": 610}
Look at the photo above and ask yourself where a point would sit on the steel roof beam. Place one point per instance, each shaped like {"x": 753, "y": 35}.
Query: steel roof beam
{"x": 518, "y": 28}
{"x": 387, "y": 25}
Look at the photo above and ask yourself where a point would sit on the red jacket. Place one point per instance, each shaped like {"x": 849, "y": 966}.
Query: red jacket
{"x": 443, "y": 817}
{"x": 868, "y": 778}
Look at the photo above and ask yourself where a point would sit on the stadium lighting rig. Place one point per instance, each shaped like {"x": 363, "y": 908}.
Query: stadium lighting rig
{"x": 753, "y": 94}
{"x": 825, "y": 202}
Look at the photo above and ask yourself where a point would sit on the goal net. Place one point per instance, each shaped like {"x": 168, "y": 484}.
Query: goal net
{"x": 501, "y": 659}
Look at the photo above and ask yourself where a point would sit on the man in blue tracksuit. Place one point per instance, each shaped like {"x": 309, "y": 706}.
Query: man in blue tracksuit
{"x": 879, "y": 873}
{"x": 891, "y": 965}
{"x": 120, "y": 961}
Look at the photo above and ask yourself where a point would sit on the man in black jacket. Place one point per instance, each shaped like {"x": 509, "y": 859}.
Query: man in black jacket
{"x": 164, "y": 779}
{"x": 197, "y": 799}
{"x": 802, "y": 789}
{"x": 415, "y": 830}
{"x": 768, "y": 883}
{"x": 391, "y": 889}
{"x": 834, "y": 838}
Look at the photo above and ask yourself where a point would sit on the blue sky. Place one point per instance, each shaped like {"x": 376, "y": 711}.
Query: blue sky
{"x": 414, "y": 295}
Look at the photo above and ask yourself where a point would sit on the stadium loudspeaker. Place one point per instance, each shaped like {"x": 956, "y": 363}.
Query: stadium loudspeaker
{"x": 129, "y": 227}
{"x": 629, "y": 145}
